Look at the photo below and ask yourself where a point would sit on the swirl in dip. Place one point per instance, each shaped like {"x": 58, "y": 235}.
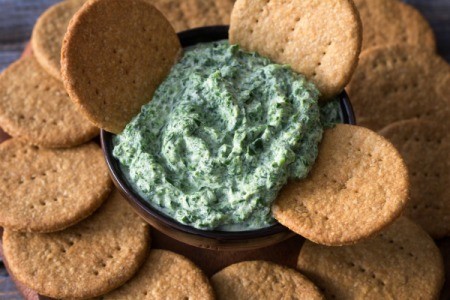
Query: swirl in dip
{"x": 221, "y": 136}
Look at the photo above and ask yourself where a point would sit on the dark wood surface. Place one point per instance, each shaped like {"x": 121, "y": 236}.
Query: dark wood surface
{"x": 17, "y": 18}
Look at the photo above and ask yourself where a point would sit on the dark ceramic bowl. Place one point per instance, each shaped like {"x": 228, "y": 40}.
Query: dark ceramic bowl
{"x": 210, "y": 239}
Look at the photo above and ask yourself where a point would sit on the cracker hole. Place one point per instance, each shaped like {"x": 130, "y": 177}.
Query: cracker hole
{"x": 63, "y": 250}
{"x": 55, "y": 199}
{"x": 145, "y": 293}
{"x": 44, "y": 121}
{"x": 118, "y": 248}
{"x": 47, "y": 88}
{"x": 97, "y": 92}
{"x": 21, "y": 117}
{"x": 42, "y": 203}
{"x": 31, "y": 206}
{"x": 110, "y": 256}
{"x": 71, "y": 243}
{"x": 95, "y": 272}
{"x": 410, "y": 254}
{"x": 32, "y": 177}
{"x": 314, "y": 74}
{"x": 103, "y": 264}
{"x": 36, "y": 86}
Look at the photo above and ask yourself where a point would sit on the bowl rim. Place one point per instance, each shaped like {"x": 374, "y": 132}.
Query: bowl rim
{"x": 189, "y": 38}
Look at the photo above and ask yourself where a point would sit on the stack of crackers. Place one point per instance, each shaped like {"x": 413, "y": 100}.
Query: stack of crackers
{"x": 69, "y": 234}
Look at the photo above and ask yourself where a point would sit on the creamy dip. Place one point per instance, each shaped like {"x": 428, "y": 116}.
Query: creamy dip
{"x": 221, "y": 136}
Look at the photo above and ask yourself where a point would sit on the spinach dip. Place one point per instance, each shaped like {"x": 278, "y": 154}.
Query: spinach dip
{"x": 221, "y": 136}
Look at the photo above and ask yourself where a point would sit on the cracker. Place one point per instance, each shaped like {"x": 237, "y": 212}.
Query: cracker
{"x": 425, "y": 147}
{"x": 115, "y": 54}
{"x": 165, "y": 275}
{"x": 357, "y": 187}
{"x": 262, "y": 280}
{"x": 48, "y": 34}
{"x": 189, "y": 14}
{"x": 86, "y": 260}
{"x": 388, "y": 22}
{"x": 35, "y": 106}
{"x": 320, "y": 39}
{"x": 400, "y": 82}
{"x": 400, "y": 263}
{"x": 48, "y": 190}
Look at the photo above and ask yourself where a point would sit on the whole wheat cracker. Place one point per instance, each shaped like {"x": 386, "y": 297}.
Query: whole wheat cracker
{"x": 114, "y": 55}
{"x": 400, "y": 82}
{"x": 320, "y": 39}
{"x": 402, "y": 262}
{"x": 35, "y": 106}
{"x": 87, "y": 260}
{"x": 262, "y": 280}
{"x": 425, "y": 147}
{"x": 387, "y": 22}
{"x": 358, "y": 186}
{"x": 48, "y": 34}
{"x": 43, "y": 190}
{"x": 168, "y": 275}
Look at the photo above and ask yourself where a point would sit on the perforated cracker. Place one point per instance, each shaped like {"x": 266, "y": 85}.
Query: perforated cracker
{"x": 358, "y": 186}
{"x": 167, "y": 275}
{"x": 402, "y": 262}
{"x": 320, "y": 39}
{"x": 48, "y": 34}
{"x": 387, "y": 22}
{"x": 35, "y": 106}
{"x": 115, "y": 54}
{"x": 48, "y": 190}
{"x": 262, "y": 280}
{"x": 425, "y": 147}
{"x": 400, "y": 82}
{"x": 86, "y": 260}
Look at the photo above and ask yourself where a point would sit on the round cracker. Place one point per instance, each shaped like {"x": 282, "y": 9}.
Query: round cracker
{"x": 115, "y": 54}
{"x": 189, "y": 14}
{"x": 400, "y": 263}
{"x": 425, "y": 147}
{"x": 43, "y": 190}
{"x": 262, "y": 280}
{"x": 86, "y": 260}
{"x": 155, "y": 280}
{"x": 400, "y": 82}
{"x": 35, "y": 106}
{"x": 48, "y": 34}
{"x": 388, "y": 22}
{"x": 357, "y": 173}
{"x": 303, "y": 34}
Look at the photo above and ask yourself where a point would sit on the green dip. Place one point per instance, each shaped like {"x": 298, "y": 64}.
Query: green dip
{"x": 221, "y": 136}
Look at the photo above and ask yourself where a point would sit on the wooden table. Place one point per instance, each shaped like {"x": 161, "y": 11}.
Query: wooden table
{"x": 17, "y": 18}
